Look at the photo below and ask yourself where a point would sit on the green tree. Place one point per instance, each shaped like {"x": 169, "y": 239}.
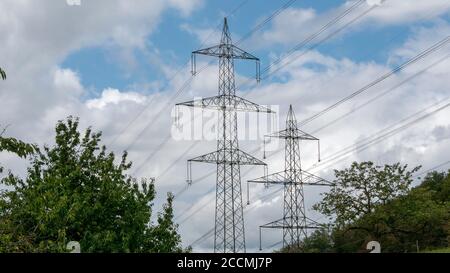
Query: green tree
{"x": 438, "y": 183}
{"x": 2, "y": 74}
{"x": 377, "y": 203}
{"x": 13, "y": 145}
{"x": 361, "y": 188}
{"x": 165, "y": 237}
{"x": 75, "y": 191}
{"x": 320, "y": 241}
{"x": 414, "y": 218}
{"x": 399, "y": 225}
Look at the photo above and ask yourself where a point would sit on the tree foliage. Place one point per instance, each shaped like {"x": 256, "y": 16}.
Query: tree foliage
{"x": 362, "y": 187}
{"x": 13, "y": 145}
{"x": 377, "y": 203}
{"x": 2, "y": 74}
{"x": 75, "y": 191}
{"x": 320, "y": 241}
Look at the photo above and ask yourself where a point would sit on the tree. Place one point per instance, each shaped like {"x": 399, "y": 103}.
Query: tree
{"x": 75, "y": 191}
{"x": 399, "y": 225}
{"x": 414, "y": 218}
{"x": 439, "y": 184}
{"x": 13, "y": 145}
{"x": 361, "y": 188}
{"x": 21, "y": 149}
{"x": 2, "y": 74}
{"x": 164, "y": 236}
{"x": 320, "y": 241}
{"x": 376, "y": 203}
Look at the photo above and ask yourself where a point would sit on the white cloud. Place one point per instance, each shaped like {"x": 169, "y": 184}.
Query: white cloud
{"x": 206, "y": 36}
{"x": 296, "y": 24}
{"x": 68, "y": 81}
{"x": 407, "y": 11}
{"x": 114, "y": 96}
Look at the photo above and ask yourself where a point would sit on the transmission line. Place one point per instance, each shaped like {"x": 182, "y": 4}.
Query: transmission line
{"x": 314, "y": 35}
{"x": 188, "y": 81}
{"x": 384, "y": 136}
{"x": 364, "y": 144}
{"x": 304, "y": 42}
{"x": 399, "y": 68}
{"x": 365, "y": 104}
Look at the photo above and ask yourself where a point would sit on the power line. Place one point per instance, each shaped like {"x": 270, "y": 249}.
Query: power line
{"x": 331, "y": 35}
{"x": 311, "y": 37}
{"x": 168, "y": 103}
{"x": 294, "y": 221}
{"x": 247, "y": 209}
{"x": 382, "y": 94}
{"x": 369, "y": 142}
{"x": 268, "y": 19}
{"x": 408, "y": 79}
{"x": 399, "y": 68}
{"x": 183, "y": 86}
{"x": 314, "y": 35}
{"x": 175, "y": 162}
{"x": 384, "y": 136}
{"x": 379, "y": 96}
{"x": 377, "y": 81}
{"x": 409, "y": 124}
{"x": 375, "y": 98}
{"x": 432, "y": 169}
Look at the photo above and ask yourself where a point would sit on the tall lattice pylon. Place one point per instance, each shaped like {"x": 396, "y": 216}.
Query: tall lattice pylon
{"x": 294, "y": 222}
{"x": 229, "y": 219}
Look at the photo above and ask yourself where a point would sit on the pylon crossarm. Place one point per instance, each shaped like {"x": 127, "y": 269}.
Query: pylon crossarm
{"x": 314, "y": 180}
{"x": 275, "y": 178}
{"x": 237, "y": 157}
{"x": 280, "y": 223}
{"x": 242, "y": 104}
{"x": 206, "y": 158}
{"x": 296, "y": 133}
{"x": 247, "y": 159}
{"x": 231, "y": 103}
{"x": 312, "y": 222}
{"x": 226, "y": 51}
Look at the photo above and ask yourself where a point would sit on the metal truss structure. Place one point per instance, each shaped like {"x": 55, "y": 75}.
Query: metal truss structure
{"x": 229, "y": 219}
{"x": 294, "y": 222}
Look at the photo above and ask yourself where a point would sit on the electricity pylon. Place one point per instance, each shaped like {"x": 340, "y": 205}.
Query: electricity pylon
{"x": 294, "y": 222}
{"x": 229, "y": 218}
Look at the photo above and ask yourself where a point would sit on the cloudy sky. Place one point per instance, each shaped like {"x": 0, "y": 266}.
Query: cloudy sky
{"x": 122, "y": 65}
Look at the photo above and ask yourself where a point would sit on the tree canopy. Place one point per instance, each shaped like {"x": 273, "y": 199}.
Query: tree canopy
{"x": 75, "y": 191}
{"x": 13, "y": 145}
{"x": 361, "y": 188}
{"x": 377, "y": 203}
{"x": 2, "y": 74}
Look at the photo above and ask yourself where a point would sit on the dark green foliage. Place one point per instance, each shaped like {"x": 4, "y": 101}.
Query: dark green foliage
{"x": 320, "y": 241}
{"x": 2, "y": 74}
{"x": 12, "y": 145}
{"x": 375, "y": 203}
{"x": 438, "y": 183}
{"x": 75, "y": 191}
{"x": 361, "y": 188}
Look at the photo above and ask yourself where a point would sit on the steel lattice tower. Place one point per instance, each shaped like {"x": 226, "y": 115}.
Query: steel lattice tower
{"x": 294, "y": 222}
{"x": 229, "y": 220}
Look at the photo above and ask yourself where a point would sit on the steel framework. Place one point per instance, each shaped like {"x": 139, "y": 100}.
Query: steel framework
{"x": 229, "y": 219}
{"x": 294, "y": 222}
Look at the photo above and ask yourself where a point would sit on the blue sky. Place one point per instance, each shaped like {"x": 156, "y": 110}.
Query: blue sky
{"x": 99, "y": 68}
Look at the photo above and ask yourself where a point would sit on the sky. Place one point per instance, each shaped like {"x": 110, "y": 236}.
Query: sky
{"x": 121, "y": 66}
